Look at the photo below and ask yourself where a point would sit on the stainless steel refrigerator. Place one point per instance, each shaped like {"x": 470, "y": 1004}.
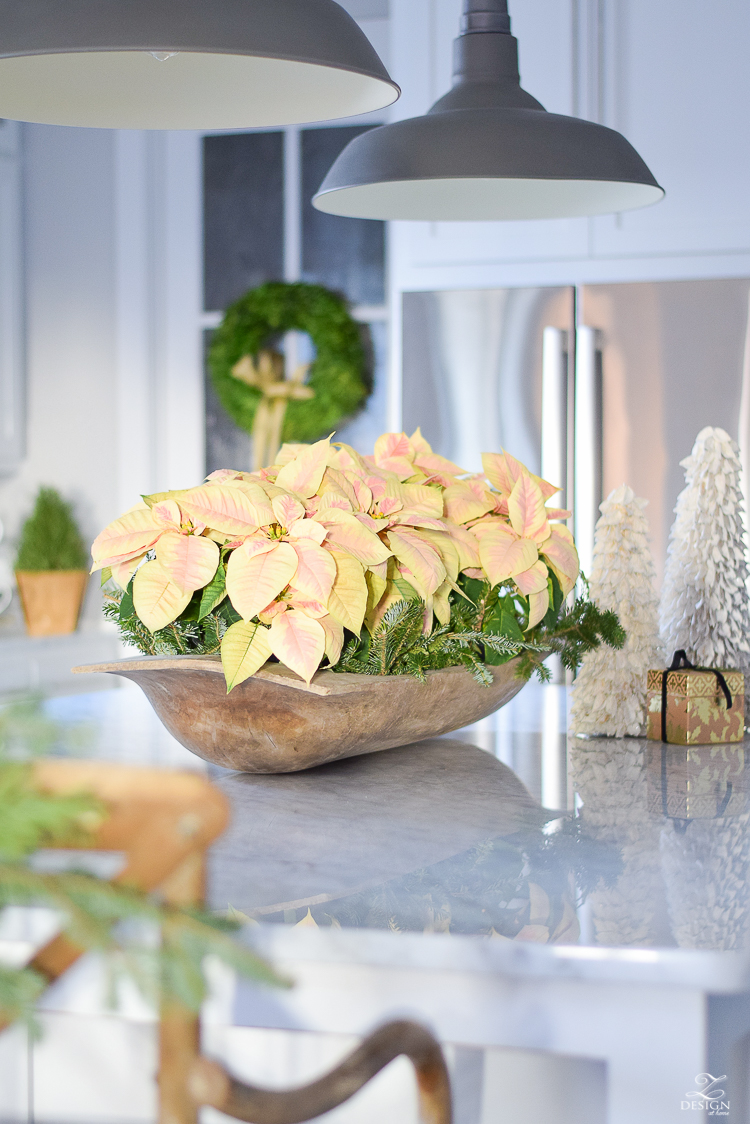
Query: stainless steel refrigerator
{"x": 593, "y": 387}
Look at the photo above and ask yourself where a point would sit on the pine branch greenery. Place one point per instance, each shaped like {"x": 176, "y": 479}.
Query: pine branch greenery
{"x": 486, "y": 628}
{"x": 198, "y": 631}
{"x": 50, "y": 539}
{"x": 95, "y": 914}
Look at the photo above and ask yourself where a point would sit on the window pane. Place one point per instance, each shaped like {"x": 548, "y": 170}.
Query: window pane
{"x": 243, "y": 214}
{"x": 227, "y": 446}
{"x": 347, "y": 255}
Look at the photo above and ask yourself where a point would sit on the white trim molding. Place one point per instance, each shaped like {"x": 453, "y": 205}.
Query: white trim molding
{"x": 12, "y": 357}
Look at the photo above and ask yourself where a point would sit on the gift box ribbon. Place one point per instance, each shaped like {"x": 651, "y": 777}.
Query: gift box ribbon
{"x": 680, "y": 661}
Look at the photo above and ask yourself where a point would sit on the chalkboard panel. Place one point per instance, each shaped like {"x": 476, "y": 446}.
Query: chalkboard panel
{"x": 347, "y": 255}
{"x": 243, "y": 214}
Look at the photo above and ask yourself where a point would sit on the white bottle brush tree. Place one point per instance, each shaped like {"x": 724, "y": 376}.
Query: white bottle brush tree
{"x": 609, "y": 696}
{"x": 704, "y": 602}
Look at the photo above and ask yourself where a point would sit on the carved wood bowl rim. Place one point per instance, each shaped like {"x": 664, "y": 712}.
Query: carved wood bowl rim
{"x": 276, "y": 723}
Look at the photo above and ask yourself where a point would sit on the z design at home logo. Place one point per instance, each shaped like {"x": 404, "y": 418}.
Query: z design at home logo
{"x": 708, "y": 1096}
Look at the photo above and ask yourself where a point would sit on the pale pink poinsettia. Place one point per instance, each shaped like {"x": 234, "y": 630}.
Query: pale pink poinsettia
{"x": 523, "y": 548}
{"x": 287, "y": 550}
{"x": 325, "y": 539}
{"x": 410, "y": 457}
{"x": 302, "y": 632}
{"x": 185, "y": 557}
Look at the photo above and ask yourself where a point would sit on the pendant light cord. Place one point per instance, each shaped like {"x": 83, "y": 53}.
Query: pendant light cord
{"x": 485, "y": 15}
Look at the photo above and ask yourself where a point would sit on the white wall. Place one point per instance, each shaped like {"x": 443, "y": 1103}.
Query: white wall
{"x": 112, "y": 298}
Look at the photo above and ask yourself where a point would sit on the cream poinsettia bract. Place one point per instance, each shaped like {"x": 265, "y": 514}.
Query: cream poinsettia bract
{"x": 326, "y": 540}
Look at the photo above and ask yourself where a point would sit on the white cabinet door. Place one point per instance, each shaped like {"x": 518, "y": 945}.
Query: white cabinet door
{"x": 671, "y": 75}
{"x": 677, "y": 83}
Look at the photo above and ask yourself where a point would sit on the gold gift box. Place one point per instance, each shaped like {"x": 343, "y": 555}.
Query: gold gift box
{"x": 697, "y": 713}
{"x": 696, "y": 782}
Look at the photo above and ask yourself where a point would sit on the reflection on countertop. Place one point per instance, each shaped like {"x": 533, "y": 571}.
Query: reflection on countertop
{"x": 508, "y": 830}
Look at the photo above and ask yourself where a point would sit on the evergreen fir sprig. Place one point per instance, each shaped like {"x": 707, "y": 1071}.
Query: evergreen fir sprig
{"x": 194, "y": 633}
{"x": 486, "y": 627}
{"x": 399, "y": 646}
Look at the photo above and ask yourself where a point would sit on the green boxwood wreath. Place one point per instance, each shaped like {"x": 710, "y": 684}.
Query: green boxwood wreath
{"x": 340, "y": 375}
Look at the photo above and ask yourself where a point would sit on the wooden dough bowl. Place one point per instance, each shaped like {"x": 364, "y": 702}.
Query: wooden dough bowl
{"x": 274, "y": 723}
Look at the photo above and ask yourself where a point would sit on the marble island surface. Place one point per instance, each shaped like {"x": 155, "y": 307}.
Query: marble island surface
{"x": 513, "y": 888}
{"x": 509, "y": 830}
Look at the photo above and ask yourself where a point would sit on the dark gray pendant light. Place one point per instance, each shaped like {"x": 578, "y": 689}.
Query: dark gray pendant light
{"x": 487, "y": 150}
{"x": 185, "y": 64}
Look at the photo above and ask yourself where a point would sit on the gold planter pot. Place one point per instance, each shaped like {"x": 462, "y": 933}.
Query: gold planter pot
{"x": 51, "y": 600}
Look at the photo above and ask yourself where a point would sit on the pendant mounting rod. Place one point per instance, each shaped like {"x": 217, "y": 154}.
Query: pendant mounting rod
{"x": 485, "y": 15}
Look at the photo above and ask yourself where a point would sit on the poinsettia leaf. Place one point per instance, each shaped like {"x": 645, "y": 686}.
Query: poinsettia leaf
{"x": 446, "y": 548}
{"x": 533, "y": 580}
{"x": 416, "y": 497}
{"x": 562, "y": 557}
{"x": 538, "y": 605}
{"x": 316, "y": 570}
{"x": 258, "y": 498}
{"x": 308, "y": 529}
{"x": 214, "y": 593}
{"x": 419, "y": 443}
{"x": 257, "y": 573}
{"x": 298, "y": 642}
{"x": 122, "y": 572}
{"x": 127, "y": 608}
{"x": 504, "y": 623}
{"x": 222, "y": 508}
{"x": 334, "y": 638}
{"x": 346, "y": 532}
{"x": 347, "y": 601}
{"x": 376, "y": 587}
{"x": 190, "y": 560}
{"x": 405, "y": 588}
{"x": 466, "y": 544}
{"x": 498, "y": 472}
{"x": 127, "y": 537}
{"x": 156, "y": 598}
{"x": 503, "y": 556}
{"x": 462, "y": 504}
{"x": 287, "y": 510}
{"x": 528, "y": 515}
{"x": 304, "y": 473}
{"x": 394, "y": 452}
{"x": 167, "y": 512}
{"x": 244, "y": 649}
{"x": 421, "y": 558}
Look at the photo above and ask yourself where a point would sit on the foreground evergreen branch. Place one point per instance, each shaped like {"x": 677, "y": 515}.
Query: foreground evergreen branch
{"x": 162, "y": 948}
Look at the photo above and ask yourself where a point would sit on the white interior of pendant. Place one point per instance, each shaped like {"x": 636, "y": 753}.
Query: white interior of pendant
{"x": 461, "y": 200}
{"x": 189, "y": 90}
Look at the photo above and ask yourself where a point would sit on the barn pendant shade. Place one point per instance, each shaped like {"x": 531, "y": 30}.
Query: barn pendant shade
{"x": 487, "y": 150}
{"x": 185, "y": 64}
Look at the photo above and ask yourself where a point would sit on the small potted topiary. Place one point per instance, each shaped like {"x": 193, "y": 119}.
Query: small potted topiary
{"x": 51, "y": 567}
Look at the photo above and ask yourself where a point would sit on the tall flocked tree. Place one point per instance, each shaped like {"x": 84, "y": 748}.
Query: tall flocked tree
{"x": 704, "y": 601}
{"x": 609, "y": 696}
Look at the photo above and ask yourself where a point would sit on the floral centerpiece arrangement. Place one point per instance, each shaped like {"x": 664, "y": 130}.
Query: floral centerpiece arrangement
{"x": 398, "y": 563}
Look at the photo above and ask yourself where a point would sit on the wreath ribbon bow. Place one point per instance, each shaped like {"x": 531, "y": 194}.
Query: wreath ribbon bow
{"x": 267, "y": 375}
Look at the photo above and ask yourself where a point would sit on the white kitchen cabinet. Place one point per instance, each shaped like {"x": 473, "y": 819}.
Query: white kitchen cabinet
{"x": 670, "y": 74}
